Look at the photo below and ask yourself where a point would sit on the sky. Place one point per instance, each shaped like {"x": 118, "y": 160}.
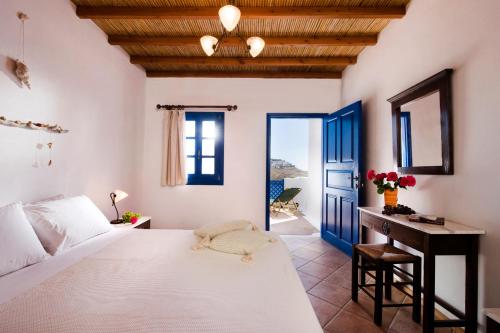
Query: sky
{"x": 290, "y": 141}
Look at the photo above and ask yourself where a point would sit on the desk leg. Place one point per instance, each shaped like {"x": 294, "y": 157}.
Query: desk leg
{"x": 471, "y": 285}
{"x": 429, "y": 288}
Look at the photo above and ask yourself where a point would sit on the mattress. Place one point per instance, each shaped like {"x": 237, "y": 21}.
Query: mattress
{"x": 151, "y": 281}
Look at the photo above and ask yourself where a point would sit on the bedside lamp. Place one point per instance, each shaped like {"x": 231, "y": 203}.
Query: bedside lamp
{"x": 116, "y": 196}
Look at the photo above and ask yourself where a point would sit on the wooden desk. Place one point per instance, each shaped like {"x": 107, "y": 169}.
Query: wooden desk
{"x": 432, "y": 240}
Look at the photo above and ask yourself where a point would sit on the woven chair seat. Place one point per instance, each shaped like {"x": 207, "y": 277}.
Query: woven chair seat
{"x": 385, "y": 253}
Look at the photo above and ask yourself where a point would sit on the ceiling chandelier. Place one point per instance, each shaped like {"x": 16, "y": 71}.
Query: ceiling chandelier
{"x": 229, "y": 16}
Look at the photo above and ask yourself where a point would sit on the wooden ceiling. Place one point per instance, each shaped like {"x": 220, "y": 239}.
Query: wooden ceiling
{"x": 304, "y": 38}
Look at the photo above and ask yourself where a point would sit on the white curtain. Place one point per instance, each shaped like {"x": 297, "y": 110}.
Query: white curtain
{"x": 173, "y": 169}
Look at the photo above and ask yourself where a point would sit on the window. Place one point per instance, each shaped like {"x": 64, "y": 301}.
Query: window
{"x": 204, "y": 148}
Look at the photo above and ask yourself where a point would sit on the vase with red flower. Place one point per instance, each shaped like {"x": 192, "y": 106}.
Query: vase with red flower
{"x": 389, "y": 183}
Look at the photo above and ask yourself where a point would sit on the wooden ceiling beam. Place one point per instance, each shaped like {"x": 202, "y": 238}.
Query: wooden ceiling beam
{"x": 265, "y": 75}
{"x": 201, "y": 13}
{"x": 234, "y": 41}
{"x": 242, "y": 61}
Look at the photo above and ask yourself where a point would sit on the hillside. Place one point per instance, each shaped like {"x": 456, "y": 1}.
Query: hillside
{"x": 281, "y": 169}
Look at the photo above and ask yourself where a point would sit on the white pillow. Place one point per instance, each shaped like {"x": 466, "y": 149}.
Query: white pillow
{"x": 61, "y": 224}
{"x": 52, "y": 198}
{"x": 19, "y": 246}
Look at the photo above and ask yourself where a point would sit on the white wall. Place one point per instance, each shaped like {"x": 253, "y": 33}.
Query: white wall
{"x": 80, "y": 82}
{"x": 434, "y": 35}
{"x": 315, "y": 179}
{"x": 243, "y": 193}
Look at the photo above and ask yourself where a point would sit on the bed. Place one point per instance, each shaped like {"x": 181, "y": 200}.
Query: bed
{"x": 132, "y": 280}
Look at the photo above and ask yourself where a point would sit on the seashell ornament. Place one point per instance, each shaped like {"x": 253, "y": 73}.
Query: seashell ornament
{"x": 22, "y": 73}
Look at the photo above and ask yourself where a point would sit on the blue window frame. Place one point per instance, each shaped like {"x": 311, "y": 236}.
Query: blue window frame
{"x": 204, "y": 148}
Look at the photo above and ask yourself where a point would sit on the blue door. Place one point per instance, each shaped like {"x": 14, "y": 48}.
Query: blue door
{"x": 342, "y": 177}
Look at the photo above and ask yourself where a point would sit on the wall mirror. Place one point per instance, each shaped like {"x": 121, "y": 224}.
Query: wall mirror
{"x": 421, "y": 127}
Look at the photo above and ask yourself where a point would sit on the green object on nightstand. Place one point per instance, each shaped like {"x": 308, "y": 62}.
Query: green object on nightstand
{"x": 130, "y": 217}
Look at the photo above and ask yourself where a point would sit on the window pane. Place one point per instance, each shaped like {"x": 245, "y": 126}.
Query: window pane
{"x": 189, "y": 147}
{"x": 208, "y": 147}
{"x": 190, "y": 165}
{"x": 208, "y": 165}
{"x": 209, "y": 129}
{"x": 190, "y": 128}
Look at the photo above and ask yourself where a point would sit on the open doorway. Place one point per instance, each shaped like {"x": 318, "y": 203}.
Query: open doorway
{"x": 294, "y": 174}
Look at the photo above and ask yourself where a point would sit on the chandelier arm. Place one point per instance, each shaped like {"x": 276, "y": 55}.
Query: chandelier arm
{"x": 241, "y": 38}
{"x": 219, "y": 41}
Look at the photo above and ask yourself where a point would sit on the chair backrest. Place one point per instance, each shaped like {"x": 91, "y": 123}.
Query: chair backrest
{"x": 288, "y": 194}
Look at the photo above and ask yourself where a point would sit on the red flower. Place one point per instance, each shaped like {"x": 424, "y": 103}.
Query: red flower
{"x": 403, "y": 181}
{"x": 371, "y": 174}
{"x": 392, "y": 176}
{"x": 411, "y": 180}
{"x": 380, "y": 176}
{"x": 134, "y": 219}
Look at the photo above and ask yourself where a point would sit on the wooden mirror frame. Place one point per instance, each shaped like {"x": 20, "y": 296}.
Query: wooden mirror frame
{"x": 440, "y": 82}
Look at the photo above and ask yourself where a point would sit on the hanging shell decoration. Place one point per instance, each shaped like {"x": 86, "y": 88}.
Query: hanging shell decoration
{"x": 33, "y": 126}
{"x": 22, "y": 73}
{"x": 22, "y": 16}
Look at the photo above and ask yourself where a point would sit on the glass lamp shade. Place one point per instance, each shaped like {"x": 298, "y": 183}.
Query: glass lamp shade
{"x": 207, "y": 43}
{"x": 256, "y": 45}
{"x": 119, "y": 195}
{"x": 229, "y": 16}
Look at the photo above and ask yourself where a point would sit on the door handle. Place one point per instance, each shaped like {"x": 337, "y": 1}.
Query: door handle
{"x": 357, "y": 182}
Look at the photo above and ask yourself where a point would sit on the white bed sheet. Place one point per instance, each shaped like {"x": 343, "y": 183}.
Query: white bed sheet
{"x": 150, "y": 281}
{"x": 18, "y": 282}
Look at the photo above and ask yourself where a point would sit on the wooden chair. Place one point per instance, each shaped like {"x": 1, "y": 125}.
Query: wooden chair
{"x": 382, "y": 258}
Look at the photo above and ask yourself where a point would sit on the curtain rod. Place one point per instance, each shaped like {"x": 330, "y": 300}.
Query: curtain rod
{"x": 183, "y": 107}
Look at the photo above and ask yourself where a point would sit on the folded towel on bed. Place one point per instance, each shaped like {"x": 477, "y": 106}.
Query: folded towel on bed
{"x": 237, "y": 237}
{"x": 213, "y": 230}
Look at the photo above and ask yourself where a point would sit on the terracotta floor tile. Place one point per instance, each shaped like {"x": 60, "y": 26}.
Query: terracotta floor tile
{"x": 332, "y": 259}
{"x": 304, "y": 239}
{"x": 365, "y": 307}
{"x": 339, "y": 279}
{"x": 346, "y": 268}
{"x": 306, "y": 253}
{"x": 346, "y": 322}
{"x": 293, "y": 240}
{"x": 324, "y": 310}
{"x": 297, "y": 262}
{"x": 293, "y": 247}
{"x": 308, "y": 281}
{"x": 321, "y": 246}
{"x": 404, "y": 324}
{"x": 294, "y": 244}
{"x": 335, "y": 295}
{"x": 317, "y": 270}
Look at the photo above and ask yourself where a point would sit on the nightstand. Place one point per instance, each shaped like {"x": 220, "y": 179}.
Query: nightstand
{"x": 143, "y": 223}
